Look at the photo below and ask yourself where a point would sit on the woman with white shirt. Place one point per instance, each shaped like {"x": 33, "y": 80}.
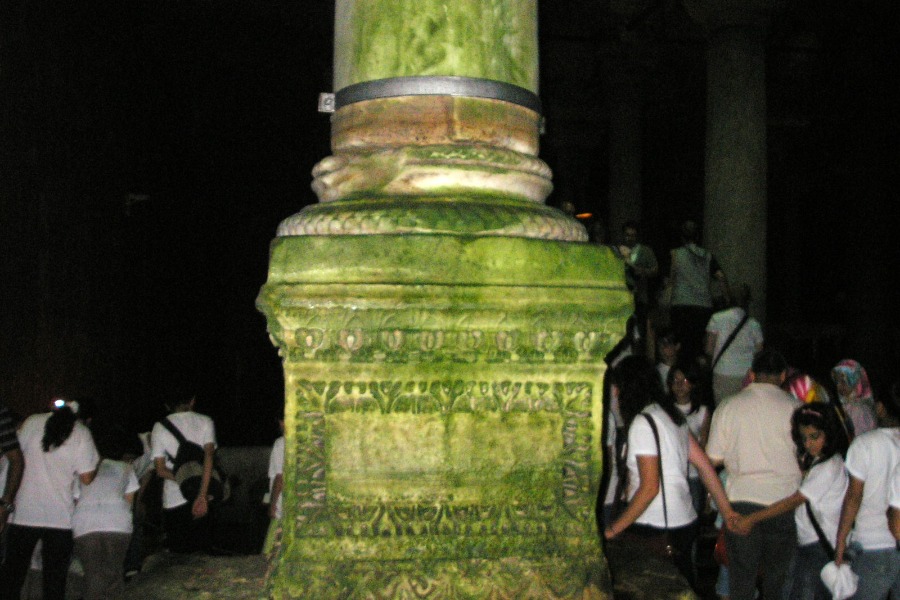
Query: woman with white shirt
{"x": 102, "y": 523}
{"x": 641, "y": 399}
{"x": 59, "y": 451}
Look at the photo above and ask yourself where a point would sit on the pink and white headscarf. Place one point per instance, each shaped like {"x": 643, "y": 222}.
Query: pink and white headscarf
{"x": 860, "y": 405}
{"x": 856, "y": 378}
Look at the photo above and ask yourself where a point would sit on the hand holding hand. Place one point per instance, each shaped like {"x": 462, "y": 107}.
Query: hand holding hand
{"x": 740, "y": 525}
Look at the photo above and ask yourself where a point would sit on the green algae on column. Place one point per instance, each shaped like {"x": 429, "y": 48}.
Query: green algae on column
{"x": 489, "y": 39}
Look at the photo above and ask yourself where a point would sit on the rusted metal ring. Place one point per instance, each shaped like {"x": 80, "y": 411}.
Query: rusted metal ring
{"x": 469, "y": 87}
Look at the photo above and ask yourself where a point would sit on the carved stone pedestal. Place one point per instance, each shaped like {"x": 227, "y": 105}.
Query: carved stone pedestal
{"x": 443, "y": 415}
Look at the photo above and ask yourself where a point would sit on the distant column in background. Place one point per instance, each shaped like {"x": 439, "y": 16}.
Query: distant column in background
{"x": 624, "y": 76}
{"x": 735, "y": 206}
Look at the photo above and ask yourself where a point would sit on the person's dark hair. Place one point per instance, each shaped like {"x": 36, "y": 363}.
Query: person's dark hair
{"x": 824, "y": 417}
{"x": 87, "y": 408}
{"x": 639, "y": 386}
{"x": 631, "y": 224}
{"x": 114, "y": 442}
{"x": 691, "y": 372}
{"x": 689, "y": 231}
{"x": 58, "y": 428}
{"x": 769, "y": 362}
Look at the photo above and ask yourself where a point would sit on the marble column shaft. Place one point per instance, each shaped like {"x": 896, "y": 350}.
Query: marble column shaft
{"x": 736, "y": 162}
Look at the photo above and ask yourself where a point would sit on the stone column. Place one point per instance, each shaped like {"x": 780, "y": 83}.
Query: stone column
{"x": 442, "y": 329}
{"x": 735, "y": 207}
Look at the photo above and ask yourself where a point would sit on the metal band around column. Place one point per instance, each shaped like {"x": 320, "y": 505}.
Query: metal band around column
{"x": 436, "y": 86}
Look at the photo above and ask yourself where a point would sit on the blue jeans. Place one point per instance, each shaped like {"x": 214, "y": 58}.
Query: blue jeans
{"x": 879, "y": 573}
{"x": 807, "y": 582}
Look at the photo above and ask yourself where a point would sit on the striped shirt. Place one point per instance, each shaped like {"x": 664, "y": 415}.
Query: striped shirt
{"x": 8, "y": 439}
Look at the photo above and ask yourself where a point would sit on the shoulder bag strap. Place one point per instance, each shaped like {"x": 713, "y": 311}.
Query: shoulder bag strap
{"x": 730, "y": 339}
{"x": 175, "y": 432}
{"x": 662, "y": 484}
{"x": 823, "y": 541}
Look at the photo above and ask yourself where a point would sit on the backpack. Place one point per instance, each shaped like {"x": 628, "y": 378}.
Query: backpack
{"x": 187, "y": 465}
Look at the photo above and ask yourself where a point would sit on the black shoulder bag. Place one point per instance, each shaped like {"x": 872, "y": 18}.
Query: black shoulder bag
{"x": 187, "y": 465}
{"x": 657, "y": 543}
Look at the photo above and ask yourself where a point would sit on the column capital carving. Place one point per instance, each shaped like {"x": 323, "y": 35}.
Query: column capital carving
{"x": 714, "y": 15}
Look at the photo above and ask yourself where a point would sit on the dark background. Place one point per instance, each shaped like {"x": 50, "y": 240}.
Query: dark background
{"x": 149, "y": 149}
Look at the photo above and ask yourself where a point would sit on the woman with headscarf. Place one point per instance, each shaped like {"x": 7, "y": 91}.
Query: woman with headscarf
{"x": 855, "y": 395}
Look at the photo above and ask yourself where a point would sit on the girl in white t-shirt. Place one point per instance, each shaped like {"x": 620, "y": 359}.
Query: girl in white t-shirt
{"x": 59, "y": 451}
{"x": 641, "y": 399}
{"x": 683, "y": 384}
{"x": 821, "y": 444}
{"x": 103, "y": 523}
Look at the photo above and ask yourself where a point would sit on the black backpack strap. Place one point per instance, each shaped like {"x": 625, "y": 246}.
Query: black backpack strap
{"x": 175, "y": 432}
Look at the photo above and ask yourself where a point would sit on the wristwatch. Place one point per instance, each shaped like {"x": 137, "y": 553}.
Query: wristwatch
{"x": 7, "y": 506}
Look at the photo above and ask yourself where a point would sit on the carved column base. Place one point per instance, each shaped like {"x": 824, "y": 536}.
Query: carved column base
{"x": 504, "y": 579}
{"x": 443, "y": 414}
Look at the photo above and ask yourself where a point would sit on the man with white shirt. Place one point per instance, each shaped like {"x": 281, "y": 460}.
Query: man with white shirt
{"x": 185, "y": 520}
{"x": 750, "y": 435}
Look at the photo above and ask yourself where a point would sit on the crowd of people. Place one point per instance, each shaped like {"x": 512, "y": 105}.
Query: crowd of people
{"x": 702, "y": 419}
{"x": 70, "y": 486}
{"x": 706, "y": 420}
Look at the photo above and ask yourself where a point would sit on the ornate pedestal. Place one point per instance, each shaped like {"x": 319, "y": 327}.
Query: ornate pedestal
{"x": 443, "y": 414}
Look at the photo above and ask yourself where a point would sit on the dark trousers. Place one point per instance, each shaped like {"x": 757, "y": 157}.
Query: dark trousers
{"x": 56, "y": 556}
{"x": 767, "y": 551}
{"x": 682, "y": 540}
{"x": 184, "y": 533}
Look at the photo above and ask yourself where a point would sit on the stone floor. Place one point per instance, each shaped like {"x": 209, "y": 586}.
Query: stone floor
{"x": 194, "y": 577}
{"x": 178, "y": 577}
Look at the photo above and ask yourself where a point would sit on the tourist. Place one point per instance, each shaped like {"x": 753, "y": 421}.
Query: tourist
{"x": 821, "y": 443}
{"x": 684, "y": 386}
{"x": 733, "y": 338}
{"x": 276, "y": 474}
{"x": 750, "y": 435}
{"x": 648, "y": 412}
{"x": 12, "y": 464}
{"x": 668, "y": 349}
{"x": 641, "y": 269}
{"x": 692, "y": 272}
{"x": 855, "y": 395}
{"x": 186, "y": 520}
{"x": 102, "y": 523}
{"x": 871, "y": 461}
{"x": 59, "y": 451}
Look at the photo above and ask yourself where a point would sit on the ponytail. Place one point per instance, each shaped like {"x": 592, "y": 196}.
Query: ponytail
{"x": 58, "y": 428}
